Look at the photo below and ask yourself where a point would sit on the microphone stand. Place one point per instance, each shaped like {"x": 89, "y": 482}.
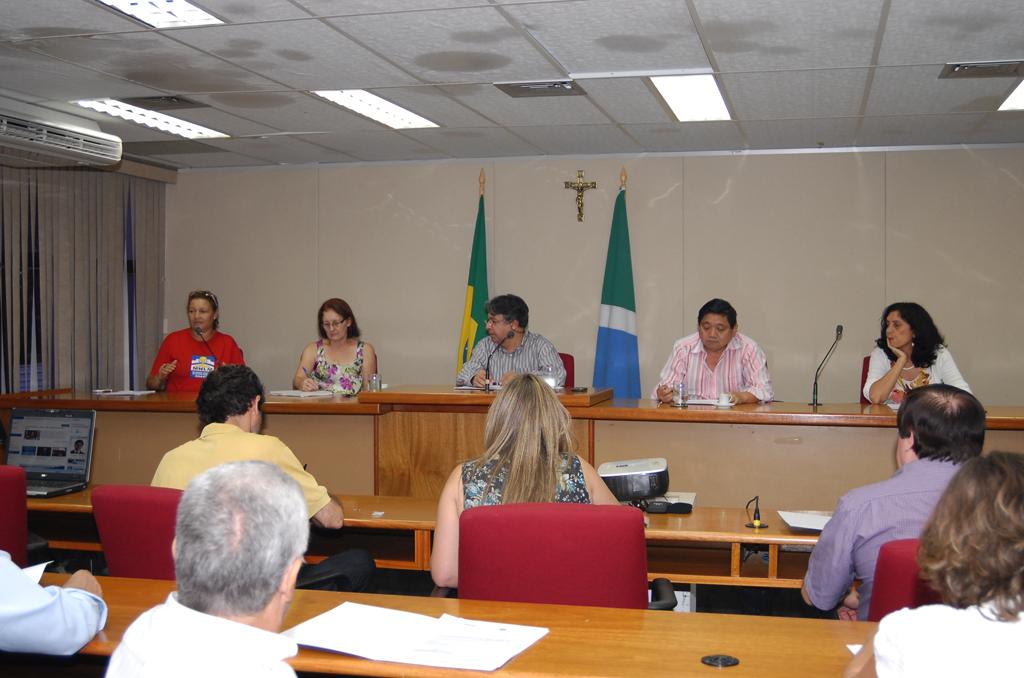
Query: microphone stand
{"x": 199, "y": 333}
{"x": 487, "y": 370}
{"x": 817, "y": 372}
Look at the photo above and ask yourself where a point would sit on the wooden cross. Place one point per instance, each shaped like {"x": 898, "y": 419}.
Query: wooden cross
{"x": 580, "y": 186}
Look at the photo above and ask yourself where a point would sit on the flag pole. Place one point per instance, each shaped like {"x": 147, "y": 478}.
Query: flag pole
{"x": 483, "y": 180}
{"x": 622, "y": 177}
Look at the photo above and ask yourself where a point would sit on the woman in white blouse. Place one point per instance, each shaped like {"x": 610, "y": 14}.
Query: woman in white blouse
{"x": 909, "y": 353}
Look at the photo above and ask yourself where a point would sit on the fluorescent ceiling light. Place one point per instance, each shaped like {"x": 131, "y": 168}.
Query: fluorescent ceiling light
{"x": 164, "y": 13}
{"x": 142, "y": 116}
{"x": 692, "y": 97}
{"x": 1014, "y": 102}
{"x": 375, "y": 108}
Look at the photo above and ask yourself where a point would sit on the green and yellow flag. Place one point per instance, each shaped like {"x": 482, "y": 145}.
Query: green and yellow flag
{"x": 474, "y": 317}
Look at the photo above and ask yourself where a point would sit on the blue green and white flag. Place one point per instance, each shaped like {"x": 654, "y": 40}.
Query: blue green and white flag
{"x": 617, "y": 361}
{"x": 474, "y": 315}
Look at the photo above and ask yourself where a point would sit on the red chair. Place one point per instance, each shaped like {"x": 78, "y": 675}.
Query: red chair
{"x": 898, "y": 583}
{"x": 864, "y": 379}
{"x": 136, "y": 526}
{"x": 14, "y": 514}
{"x": 571, "y": 554}
{"x": 570, "y": 369}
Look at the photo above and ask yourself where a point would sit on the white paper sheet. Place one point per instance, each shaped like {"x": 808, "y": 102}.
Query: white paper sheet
{"x": 287, "y": 393}
{"x": 35, "y": 572}
{"x": 123, "y": 393}
{"x": 806, "y": 520}
{"x": 393, "y": 635}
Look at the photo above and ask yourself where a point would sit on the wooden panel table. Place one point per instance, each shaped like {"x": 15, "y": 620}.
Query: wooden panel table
{"x": 583, "y": 641}
{"x": 405, "y": 440}
{"x": 709, "y": 546}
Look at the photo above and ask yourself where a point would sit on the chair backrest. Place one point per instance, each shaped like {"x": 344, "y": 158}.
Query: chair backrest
{"x": 897, "y": 580}
{"x": 572, "y": 554}
{"x": 14, "y": 514}
{"x": 570, "y": 369}
{"x": 136, "y": 526}
{"x": 864, "y": 379}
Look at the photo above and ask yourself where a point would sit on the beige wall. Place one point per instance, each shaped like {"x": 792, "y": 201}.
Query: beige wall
{"x": 798, "y": 243}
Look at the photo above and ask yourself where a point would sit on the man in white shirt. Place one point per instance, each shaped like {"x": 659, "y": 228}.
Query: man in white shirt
{"x": 241, "y": 532}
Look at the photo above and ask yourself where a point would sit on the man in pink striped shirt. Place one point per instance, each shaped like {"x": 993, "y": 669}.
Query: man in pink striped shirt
{"x": 716, "y": 360}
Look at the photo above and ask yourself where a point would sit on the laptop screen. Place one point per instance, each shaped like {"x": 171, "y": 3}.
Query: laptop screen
{"x": 54, "y": 444}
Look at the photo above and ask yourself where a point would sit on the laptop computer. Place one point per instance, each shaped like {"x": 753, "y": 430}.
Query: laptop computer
{"x": 54, "y": 447}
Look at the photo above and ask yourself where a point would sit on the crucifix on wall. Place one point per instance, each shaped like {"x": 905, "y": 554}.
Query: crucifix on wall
{"x": 580, "y": 186}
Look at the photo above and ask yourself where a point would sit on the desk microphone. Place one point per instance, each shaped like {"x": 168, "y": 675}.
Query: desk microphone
{"x": 199, "y": 333}
{"x": 756, "y": 522}
{"x": 487, "y": 371}
{"x": 817, "y": 372}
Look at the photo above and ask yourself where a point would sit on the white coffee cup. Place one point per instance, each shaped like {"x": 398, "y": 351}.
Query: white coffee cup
{"x": 725, "y": 399}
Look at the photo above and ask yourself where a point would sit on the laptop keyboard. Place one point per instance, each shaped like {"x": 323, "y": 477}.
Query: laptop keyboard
{"x": 50, "y": 483}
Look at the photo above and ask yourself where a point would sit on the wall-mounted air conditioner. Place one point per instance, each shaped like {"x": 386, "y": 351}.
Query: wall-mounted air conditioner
{"x": 31, "y": 136}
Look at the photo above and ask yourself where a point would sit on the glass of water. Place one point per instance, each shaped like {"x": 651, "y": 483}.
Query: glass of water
{"x": 547, "y": 375}
{"x": 679, "y": 395}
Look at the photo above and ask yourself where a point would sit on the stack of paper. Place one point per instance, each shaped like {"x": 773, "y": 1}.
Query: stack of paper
{"x": 302, "y": 394}
{"x": 395, "y": 636}
{"x": 806, "y": 520}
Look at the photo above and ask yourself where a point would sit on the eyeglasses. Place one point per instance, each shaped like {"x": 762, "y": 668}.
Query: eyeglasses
{"x": 496, "y": 320}
{"x": 204, "y": 294}
{"x": 331, "y": 324}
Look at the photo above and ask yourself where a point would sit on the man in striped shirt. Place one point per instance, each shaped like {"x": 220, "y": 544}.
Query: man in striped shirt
{"x": 716, "y": 360}
{"x": 509, "y": 349}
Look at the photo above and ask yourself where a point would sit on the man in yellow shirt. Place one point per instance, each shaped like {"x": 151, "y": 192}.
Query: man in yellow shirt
{"x": 229, "y": 406}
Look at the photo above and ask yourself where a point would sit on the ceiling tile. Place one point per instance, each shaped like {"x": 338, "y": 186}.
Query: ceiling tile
{"x": 823, "y": 133}
{"x": 627, "y": 100}
{"x": 281, "y": 150}
{"x": 903, "y": 130}
{"x": 607, "y": 35}
{"x": 579, "y": 139}
{"x": 154, "y": 60}
{"x": 452, "y": 46}
{"x": 44, "y": 18}
{"x": 483, "y": 142}
{"x": 378, "y": 146}
{"x": 763, "y": 35}
{"x": 795, "y": 94}
{"x": 434, "y": 104}
{"x": 688, "y": 136}
{"x": 941, "y": 31}
{"x": 48, "y": 79}
{"x": 289, "y": 111}
{"x": 918, "y": 90}
{"x": 512, "y": 111}
{"x": 305, "y": 55}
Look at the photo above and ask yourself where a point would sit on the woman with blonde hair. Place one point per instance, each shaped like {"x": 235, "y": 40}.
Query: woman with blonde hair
{"x": 972, "y": 554}
{"x": 530, "y": 456}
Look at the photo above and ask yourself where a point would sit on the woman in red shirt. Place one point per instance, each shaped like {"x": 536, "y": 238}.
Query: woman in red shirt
{"x": 187, "y": 356}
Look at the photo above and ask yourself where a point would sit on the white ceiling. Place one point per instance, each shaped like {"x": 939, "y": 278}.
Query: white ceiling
{"x": 795, "y": 74}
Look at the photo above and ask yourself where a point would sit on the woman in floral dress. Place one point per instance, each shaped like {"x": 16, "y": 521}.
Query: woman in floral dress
{"x": 338, "y": 361}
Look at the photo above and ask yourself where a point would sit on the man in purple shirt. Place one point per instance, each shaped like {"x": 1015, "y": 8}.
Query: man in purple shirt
{"x": 939, "y": 427}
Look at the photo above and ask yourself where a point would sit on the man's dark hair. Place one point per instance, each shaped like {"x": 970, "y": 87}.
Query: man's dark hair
{"x": 948, "y": 423}
{"x": 718, "y": 307}
{"x": 226, "y": 392}
{"x": 510, "y": 306}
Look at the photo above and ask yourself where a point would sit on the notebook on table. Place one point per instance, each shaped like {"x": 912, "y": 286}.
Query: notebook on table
{"x": 54, "y": 447}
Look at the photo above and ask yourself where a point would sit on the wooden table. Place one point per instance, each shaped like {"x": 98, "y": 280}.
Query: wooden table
{"x": 405, "y": 440}
{"x": 583, "y": 641}
{"x": 707, "y": 546}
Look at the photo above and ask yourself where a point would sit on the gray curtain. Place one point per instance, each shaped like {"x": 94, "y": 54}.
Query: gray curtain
{"x": 73, "y": 240}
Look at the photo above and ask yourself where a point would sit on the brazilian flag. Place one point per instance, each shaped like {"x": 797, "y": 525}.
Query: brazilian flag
{"x": 474, "y": 317}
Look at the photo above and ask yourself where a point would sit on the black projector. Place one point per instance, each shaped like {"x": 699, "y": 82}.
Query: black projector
{"x": 635, "y": 479}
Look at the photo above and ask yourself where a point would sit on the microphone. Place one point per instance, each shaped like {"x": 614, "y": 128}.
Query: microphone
{"x": 487, "y": 371}
{"x": 198, "y": 331}
{"x": 817, "y": 372}
{"x": 756, "y": 522}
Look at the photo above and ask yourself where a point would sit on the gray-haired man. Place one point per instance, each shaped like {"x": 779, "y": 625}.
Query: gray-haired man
{"x": 241, "y": 531}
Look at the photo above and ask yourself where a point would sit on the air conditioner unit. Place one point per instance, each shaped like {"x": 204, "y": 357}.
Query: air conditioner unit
{"x": 31, "y": 136}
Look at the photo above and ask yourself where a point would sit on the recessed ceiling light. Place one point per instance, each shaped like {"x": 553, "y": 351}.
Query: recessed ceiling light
{"x": 164, "y": 13}
{"x": 692, "y": 97}
{"x": 1014, "y": 102}
{"x": 141, "y": 116}
{"x": 375, "y": 108}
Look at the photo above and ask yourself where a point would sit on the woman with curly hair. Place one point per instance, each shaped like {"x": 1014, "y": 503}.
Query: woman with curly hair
{"x": 972, "y": 554}
{"x": 910, "y": 352}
